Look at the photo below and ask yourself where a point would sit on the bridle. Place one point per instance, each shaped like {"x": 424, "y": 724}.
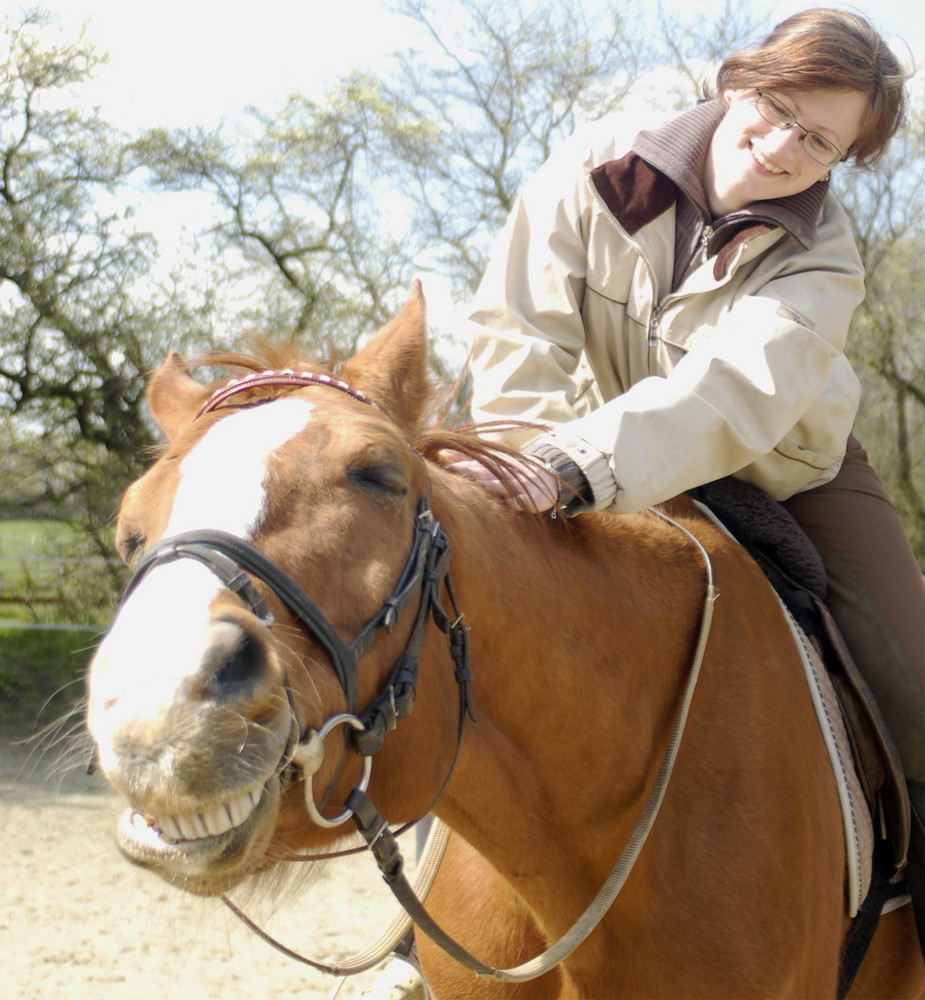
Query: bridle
{"x": 235, "y": 561}
{"x": 425, "y": 573}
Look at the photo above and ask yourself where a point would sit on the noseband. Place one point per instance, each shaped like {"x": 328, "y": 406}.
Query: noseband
{"x": 235, "y": 561}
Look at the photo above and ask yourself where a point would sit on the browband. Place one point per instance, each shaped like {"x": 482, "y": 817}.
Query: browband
{"x": 287, "y": 377}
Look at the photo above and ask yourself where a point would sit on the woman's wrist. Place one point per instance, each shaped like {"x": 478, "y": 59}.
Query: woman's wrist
{"x": 574, "y": 489}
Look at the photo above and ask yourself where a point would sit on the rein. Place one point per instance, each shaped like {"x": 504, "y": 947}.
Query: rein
{"x": 382, "y": 843}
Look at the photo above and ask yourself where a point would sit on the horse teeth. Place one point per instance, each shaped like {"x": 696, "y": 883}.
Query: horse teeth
{"x": 241, "y": 808}
{"x": 197, "y": 826}
{"x": 218, "y": 821}
{"x": 142, "y": 823}
{"x": 187, "y": 827}
{"x": 169, "y": 829}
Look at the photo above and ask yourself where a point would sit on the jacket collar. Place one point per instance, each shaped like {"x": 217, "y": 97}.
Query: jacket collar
{"x": 644, "y": 183}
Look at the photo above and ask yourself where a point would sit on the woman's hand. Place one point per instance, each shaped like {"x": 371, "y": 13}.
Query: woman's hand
{"x": 534, "y": 488}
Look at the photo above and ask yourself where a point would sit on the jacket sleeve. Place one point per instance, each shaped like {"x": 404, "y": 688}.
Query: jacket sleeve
{"x": 528, "y": 336}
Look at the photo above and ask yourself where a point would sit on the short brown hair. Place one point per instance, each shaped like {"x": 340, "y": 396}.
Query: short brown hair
{"x": 829, "y": 49}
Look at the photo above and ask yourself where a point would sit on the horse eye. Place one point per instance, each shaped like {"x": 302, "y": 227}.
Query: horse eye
{"x": 386, "y": 481}
{"x": 130, "y": 546}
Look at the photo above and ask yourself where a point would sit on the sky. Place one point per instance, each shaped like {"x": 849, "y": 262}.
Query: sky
{"x": 188, "y": 62}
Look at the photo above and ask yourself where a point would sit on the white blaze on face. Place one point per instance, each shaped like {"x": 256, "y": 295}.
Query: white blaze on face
{"x": 162, "y": 630}
{"x": 222, "y": 478}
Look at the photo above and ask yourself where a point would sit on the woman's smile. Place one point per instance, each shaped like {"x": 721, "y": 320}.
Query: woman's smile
{"x": 750, "y": 159}
{"x": 763, "y": 162}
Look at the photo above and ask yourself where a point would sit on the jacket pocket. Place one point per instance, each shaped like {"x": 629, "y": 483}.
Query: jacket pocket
{"x": 819, "y": 439}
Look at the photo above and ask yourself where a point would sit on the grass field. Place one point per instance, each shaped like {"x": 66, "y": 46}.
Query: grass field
{"x": 51, "y": 571}
{"x": 32, "y": 548}
{"x": 44, "y": 644}
{"x": 42, "y": 673}
{"x": 32, "y": 566}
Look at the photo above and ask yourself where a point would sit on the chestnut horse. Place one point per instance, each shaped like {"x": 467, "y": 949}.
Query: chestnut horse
{"x": 226, "y": 717}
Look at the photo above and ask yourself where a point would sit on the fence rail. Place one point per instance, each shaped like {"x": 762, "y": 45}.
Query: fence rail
{"x": 30, "y": 582}
{"x": 51, "y": 627}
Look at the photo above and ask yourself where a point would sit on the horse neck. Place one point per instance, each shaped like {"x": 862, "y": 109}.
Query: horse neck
{"x": 565, "y": 624}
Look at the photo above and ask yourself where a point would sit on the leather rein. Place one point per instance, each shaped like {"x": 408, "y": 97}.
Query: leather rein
{"x": 234, "y": 561}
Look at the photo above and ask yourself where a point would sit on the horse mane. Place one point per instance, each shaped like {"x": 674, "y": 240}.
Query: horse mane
{"x": 470, "y": 440}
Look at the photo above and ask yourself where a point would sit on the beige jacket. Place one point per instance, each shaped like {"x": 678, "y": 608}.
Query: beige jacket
{"x": 741, "y": 370}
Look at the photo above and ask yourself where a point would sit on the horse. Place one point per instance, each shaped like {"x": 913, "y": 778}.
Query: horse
{"x": 229, "y": 717}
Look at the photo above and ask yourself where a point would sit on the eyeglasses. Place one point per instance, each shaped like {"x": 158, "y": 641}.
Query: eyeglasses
{"x": 780, "y": 116}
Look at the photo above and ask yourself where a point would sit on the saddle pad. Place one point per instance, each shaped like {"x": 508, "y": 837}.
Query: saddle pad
{"x": 856, "y": 818}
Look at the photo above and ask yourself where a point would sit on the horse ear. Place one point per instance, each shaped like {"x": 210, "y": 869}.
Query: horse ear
{"x": 392, "y": 367}
{"x": 174, "y": 396}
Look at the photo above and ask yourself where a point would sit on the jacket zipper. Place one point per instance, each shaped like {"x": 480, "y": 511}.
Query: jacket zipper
{"x": 704, "y": 241}
{"x": 653, "y": 325}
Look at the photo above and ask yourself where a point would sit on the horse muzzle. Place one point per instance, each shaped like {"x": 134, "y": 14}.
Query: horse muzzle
{"x": 193, "y": 726}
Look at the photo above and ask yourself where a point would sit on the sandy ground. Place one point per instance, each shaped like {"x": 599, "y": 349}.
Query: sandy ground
{"x": 78, "y": 921}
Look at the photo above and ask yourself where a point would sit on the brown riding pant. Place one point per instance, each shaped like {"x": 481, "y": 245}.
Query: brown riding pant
{"x": 876, "y": 594}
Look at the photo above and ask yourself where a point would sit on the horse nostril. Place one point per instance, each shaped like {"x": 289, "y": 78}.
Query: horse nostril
{"x": 233, "y": 665}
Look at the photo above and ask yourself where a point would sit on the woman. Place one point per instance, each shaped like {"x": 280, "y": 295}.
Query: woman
{"x": 673, "y": 304}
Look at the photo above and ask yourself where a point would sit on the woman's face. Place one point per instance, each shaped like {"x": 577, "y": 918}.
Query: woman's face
{"x": 752, "y": 160}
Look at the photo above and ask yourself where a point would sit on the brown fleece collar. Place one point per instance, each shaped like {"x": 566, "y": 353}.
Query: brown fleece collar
{"x": 636, "y": 193}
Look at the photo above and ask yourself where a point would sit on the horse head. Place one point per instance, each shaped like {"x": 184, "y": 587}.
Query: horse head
{"x": 211, "y": 696}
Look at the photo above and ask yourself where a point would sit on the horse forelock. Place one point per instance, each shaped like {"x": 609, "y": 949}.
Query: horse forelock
{"x": 261, "y": 354}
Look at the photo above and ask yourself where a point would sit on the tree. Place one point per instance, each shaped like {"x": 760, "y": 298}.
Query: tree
{"x": 501, "y": 85}
{"x": 887, "y": 344}
{"x": 691, "y": 41}
{"x": 79, "y": 314}
{"x": 334, "y": 206}
{"x": 298, "y": 195}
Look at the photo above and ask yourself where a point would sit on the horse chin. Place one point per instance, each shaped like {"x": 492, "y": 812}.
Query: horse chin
{"x": 204, "y": 865}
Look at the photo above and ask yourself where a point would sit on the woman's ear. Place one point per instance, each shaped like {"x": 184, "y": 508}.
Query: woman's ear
{"x": 731, "y": 94}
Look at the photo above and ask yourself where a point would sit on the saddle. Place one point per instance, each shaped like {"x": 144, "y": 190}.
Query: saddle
{"x": 796, "y": 572}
